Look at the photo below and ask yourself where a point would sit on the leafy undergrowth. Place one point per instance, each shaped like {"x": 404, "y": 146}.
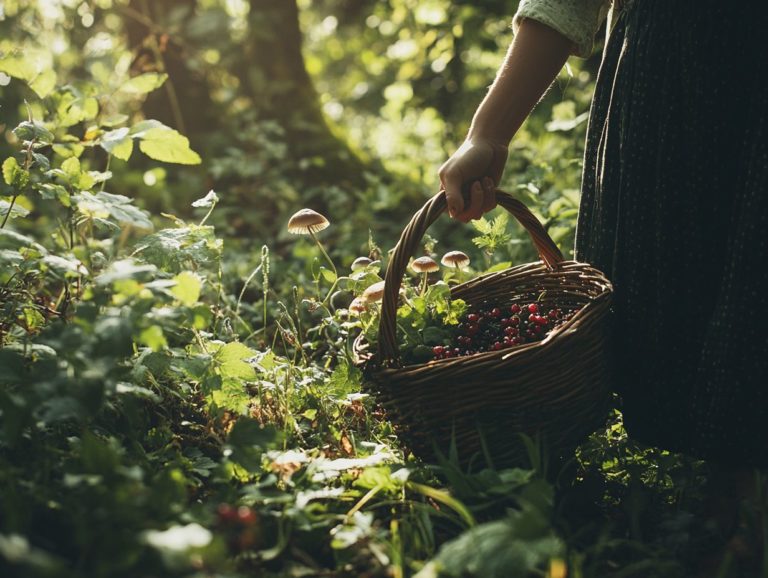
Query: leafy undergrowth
{"x": 172, "y": 408}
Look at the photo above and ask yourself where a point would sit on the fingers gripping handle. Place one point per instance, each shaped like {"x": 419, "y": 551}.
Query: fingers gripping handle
{"x": 409, "y": 241}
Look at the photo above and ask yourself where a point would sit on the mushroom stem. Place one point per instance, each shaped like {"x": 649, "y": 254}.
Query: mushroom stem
{"x": 458, "y": 273}
{"x": 424, "y": 284}
{"x": 320, "y": 246}
{"x": 327, "y": 258}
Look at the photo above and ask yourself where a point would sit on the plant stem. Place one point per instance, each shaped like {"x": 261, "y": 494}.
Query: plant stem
{"x": 10, "y": 210}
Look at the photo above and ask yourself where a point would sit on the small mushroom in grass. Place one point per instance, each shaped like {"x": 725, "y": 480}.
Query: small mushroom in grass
{"x": 374, "y": 293}
{"x": 360, "y": 263}
{"x": 457, "y": 260}
{"x": 308, "y": 222}
{"x": 357, "y": 306}
{"x": 425, "y": 265}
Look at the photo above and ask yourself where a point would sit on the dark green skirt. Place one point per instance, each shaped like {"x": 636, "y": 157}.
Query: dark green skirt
{"x": 674, "y": 210}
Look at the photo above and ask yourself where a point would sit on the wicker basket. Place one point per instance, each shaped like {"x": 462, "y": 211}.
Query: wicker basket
{"x": 555, "y": 390}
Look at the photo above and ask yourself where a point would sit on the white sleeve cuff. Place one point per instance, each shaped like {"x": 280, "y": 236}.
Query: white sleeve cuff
{"x": 577, "y": 20}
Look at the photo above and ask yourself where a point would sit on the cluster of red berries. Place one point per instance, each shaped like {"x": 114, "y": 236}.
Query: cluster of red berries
{"x": 240, "y": 524}
{"x": 495, "y": 329}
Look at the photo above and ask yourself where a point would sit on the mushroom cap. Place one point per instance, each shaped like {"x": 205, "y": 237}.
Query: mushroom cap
{"x": 357, "y": 306}
{"x": 360, "y": 263}
{"x": 374, "y": 293}
{"x": 455, "y": 259}
{"x": 306, "y": 221}
{"x": 425, "y": 265}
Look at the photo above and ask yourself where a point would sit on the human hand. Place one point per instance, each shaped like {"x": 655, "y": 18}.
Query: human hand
{"x": 478, "y": 164}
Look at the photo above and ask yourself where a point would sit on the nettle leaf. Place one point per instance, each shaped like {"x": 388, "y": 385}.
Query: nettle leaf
{"x": 230, "y": 361}
{"x": 187, "y": 288}
{"x": 176, "y": 249}
{"x": 117, "y": 207}
{"x": 153, "y": 338}
{"x": 144, "y": 83}
{"x": 167, "y": 145}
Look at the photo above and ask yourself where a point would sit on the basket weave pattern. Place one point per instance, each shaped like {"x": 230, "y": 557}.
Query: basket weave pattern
{"x": 557, "y": 388}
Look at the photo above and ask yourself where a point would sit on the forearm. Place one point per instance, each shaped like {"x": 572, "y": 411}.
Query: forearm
{"x": 532, "y": 62}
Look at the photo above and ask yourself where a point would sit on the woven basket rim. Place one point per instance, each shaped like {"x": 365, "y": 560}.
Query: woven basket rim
{"x": 367, "y": 360}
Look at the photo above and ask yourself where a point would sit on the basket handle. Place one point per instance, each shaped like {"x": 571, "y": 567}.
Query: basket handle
{"x": 409, "y": 240}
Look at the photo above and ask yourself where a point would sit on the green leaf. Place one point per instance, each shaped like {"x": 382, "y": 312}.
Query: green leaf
{"x": 167, "y": 145}
{"x": 230, "y": 360}
{"x": 153, "y": 338}
{"x": 328, "y": 275}
{"x": 33, "y": 131}
{"x": 14, "y": 175}
{"x": 118, "y": 207}
{"x": 248, "y": 440}
{"x": 118, "y": 143}
{"x": 31, "y": 71}
{"x": 123, "y": 150}
{"x": 144, "y": 83}
{"x": 43, "y": 83}
{"x": 187, "y": 288}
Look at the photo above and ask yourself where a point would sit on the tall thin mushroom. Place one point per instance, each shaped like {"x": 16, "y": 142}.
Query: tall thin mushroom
{"x": 424, "y": 265}
{"x": 457, "y": 260}
{"x": 308, "y": 222}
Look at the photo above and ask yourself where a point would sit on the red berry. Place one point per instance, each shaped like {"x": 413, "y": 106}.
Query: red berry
{"x": 226, "y": 513}
{"x": 540, "y": 320}
{"x": 533, "y": 308}
{"x": 504, "y": 321}
{"x": 516, "y": 341}
{"x": 246, "y": 516}
{"x": 511, "y": 331}
{"x": 438, "y": 349}
{"x": 495, "y": 312}
{"x": 473, "y": 329}
{"x": 515, "y": 308}
{"x": 473, "y": 318}
{"x": 496, "y": 346}
{"x": 554, "y": 313}
{"x": 514, "y": 321}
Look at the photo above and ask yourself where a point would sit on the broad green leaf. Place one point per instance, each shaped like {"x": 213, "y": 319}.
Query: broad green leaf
{"x": 144, "y": 83}
{"x": 31, "y": 70}
{"x": 187, "y": 288}
{"x": 33, "y": 131}
{"x": 231, "y": 361}
{"x": 13, "y": 240}
{"x": 231, "y": 395}
{"x": 167, "y": 145}
{"x": 117, "y": 207}
{"x": 114, "y": 138}
{"x": 139, "y": 129}
{"x": 153, "y": 338}
{"x": 43, "y": 83}
{"x": 71, "y": 168}
{"x": 176, "y": 249}
{"x": 123, "y": 150}
{"x": 14, "y": 175}
{"x": 328, "y": 275}
{"x": 16, "y": 210}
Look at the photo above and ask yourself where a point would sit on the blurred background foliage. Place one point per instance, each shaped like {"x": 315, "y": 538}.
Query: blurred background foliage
{"x": 345, "y": 106}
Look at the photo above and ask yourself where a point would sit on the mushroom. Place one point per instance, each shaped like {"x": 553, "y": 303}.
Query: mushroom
{"x": 425, "y": 265}
{"x": 455, "y": 259}
{"x": 361, "y": 263}
{"x": 374, "y": 292}
{"x": 308, "y": 222}
{"x": 357, "y": 306}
